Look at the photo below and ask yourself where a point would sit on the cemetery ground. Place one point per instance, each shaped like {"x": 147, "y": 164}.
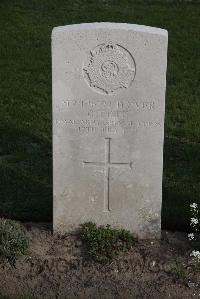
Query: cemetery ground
{"x": 26, "y": 153}
{"x": 60, "y": 267}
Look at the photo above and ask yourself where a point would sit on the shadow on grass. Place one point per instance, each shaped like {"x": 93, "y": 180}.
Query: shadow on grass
{"x": 26, "y": 176}
{"x": 181, "y": 182}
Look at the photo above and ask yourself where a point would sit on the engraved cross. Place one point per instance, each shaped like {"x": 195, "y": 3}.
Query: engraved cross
{"x": 107, "y": 165}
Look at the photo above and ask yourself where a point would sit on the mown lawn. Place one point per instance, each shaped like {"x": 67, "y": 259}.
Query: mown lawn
{"x": 25, "y": 99}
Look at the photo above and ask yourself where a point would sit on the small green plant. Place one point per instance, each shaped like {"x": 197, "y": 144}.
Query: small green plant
{"x": 180, "y": 270}
{"x": 13, "y": 240}
{"x": 104, "y": 242}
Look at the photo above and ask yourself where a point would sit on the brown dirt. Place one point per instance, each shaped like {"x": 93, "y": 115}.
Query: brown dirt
{"x": 59, "y": 268}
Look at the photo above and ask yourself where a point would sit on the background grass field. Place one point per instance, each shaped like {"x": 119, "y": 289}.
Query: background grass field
{"x": 25, "y": 99}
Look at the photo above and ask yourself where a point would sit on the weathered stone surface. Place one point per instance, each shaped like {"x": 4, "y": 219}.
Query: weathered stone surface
{"x": 108, "y": 126}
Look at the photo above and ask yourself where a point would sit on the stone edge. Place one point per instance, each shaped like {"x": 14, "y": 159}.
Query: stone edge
{"x": 108, "y": 25}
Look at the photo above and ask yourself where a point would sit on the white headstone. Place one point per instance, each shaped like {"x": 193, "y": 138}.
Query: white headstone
{"x": 108, "y": 126}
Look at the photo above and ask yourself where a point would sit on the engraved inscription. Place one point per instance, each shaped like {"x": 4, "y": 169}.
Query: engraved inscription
{"x": 108, "y": 118}
{"x": 107, "y": 164}
{"x": 101, "y": 104}
{"x": 88, "y": 126}
{"x": 110, "y": 68}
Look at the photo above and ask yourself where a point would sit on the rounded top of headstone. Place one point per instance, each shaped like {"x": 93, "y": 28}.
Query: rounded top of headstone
{"x": 110, "y": 25}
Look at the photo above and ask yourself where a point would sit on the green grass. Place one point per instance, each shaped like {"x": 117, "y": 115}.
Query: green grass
{"x": 180, "y": 271}
{"x": 25, "y": 105}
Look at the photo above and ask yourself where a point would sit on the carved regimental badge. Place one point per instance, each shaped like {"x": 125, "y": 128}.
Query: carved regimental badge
{"x": 110, "y": 68}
